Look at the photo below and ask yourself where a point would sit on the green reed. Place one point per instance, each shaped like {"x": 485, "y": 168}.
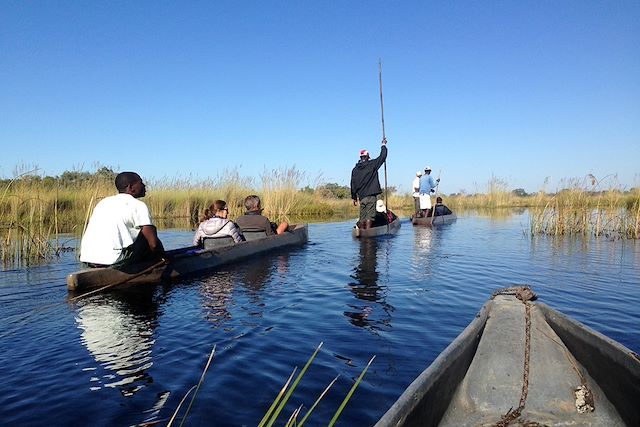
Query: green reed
{"x": 585, "y": 208}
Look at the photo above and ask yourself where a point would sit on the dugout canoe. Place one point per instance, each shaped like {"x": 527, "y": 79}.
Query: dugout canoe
{"x": 391, "y": 228}
{"x": 189, "y": 260}
{"x": 434, "y": 220}
{"x": 576, "y": 376}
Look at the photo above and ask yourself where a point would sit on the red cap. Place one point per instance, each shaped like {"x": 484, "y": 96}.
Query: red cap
{"x": 364, "y": 153}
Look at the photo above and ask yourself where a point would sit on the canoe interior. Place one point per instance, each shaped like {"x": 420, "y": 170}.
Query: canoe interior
{"x": 478, "y": 378}
{"x": 390, "y": 228}
{"x": 434, "y": 220}
{"x": 185, "y": 261}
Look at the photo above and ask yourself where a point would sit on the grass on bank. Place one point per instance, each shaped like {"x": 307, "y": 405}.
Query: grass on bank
{"x": 35, "y": 212}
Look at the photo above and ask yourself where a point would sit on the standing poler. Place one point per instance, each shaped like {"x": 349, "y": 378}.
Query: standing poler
{"x": 365, "y": 185}
{"x": 427, "y": 186}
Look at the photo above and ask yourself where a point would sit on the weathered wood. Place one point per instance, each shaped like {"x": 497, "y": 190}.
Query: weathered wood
{"x": 381, "y": 230}
{"x": 479, "y": 376}
{"x": 185, "y": 261}
{"x": 434, "y": 220}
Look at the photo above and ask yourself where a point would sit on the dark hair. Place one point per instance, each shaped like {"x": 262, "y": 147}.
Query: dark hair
{"x": 438, "y": 199}
{"x": 251, "y": 202}
{"x": 124, "y": 179}
{"x": 211, "y": 211}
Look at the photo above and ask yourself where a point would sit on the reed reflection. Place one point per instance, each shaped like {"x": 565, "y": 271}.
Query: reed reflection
{"x": 118, "y": 331}
{"x": 366, "y": 288}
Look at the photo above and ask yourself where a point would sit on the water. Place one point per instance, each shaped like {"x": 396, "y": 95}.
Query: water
{"x": 121, "y": 359}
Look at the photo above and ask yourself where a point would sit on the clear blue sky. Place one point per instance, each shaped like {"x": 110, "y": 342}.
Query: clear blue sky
{"x": 521, "y": 90}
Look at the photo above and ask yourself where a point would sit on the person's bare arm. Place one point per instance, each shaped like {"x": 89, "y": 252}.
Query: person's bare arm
{"x": 151, "y": 234}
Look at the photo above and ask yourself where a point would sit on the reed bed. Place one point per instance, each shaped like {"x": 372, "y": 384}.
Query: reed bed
{"x": 34, "y": 212}
{"x": 584, "y": 209}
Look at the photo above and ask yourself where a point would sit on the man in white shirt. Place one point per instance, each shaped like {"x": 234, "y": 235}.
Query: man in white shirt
{"x": 416, "y": 193}
{"x": 120, "y": 231}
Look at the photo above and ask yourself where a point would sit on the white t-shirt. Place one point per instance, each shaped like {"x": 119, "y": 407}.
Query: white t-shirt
{"x": 416, "y": 186}
{"x": 115, "y": 224}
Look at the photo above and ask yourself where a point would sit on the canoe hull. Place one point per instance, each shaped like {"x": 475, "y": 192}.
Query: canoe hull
{"x": 434, "y": 220}
{"x": 187, "y": 261}
{"x": 478, "y": 377}
{"x": 391, "y": 228}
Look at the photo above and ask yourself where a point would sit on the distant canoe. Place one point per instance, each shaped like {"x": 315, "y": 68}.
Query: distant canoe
{"x": 381, "y": 230}
{"x": 186, "y": 261}
{"x": 434, "y": 220}
{"x": 480, "y": 375}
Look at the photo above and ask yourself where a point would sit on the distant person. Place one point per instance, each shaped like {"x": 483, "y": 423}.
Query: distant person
{"x": 120, "y": 231}
{"x": 416, "y": 192}
{"x": 215, "y": 224}
{"x": 365, "y": 185}
{"x": 441, "y": 209}
{"x": 253, "y": 220}
{"x": 383, "y": 216}
{"x": 427, "y": 186}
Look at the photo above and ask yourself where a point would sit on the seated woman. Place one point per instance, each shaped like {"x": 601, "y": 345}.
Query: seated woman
{"x": 215, "y": 224}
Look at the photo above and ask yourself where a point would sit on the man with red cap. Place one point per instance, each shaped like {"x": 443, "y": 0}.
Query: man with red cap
{"x": 365, "y": 185}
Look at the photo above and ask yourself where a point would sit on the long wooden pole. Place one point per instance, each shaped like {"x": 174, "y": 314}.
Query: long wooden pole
{"x": 386, "y": 199}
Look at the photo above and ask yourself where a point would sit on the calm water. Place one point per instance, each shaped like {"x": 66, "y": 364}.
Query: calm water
{"x": 122, "y": 359}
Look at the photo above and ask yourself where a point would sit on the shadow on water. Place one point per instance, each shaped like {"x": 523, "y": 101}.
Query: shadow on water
{"x": 118, "y": 330}
{"x": 368, "y": 287}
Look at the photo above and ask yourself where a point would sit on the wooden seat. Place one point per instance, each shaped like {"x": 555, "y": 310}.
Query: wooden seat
{"x": 217, "y": 242}
{"x": 254, "y": 234}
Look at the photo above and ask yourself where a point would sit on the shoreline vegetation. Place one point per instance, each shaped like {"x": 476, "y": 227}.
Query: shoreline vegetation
{"x": 36, "y": 212}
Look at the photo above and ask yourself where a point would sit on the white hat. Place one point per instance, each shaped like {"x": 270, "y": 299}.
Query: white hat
{"x": 380, "y": 207}
{"x": 419, "y": 173}
{"x": 428, "y": 168}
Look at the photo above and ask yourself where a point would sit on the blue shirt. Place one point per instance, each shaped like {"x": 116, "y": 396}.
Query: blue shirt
{"x": 426, "y": 184}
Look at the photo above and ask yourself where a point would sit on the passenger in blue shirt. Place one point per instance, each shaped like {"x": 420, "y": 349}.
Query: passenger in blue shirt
{"x": 427, "y": 186}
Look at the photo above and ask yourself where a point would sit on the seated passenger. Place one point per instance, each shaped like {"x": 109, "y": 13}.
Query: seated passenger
{"x": 215, "y": 224}
{"x": 253, "y": 220}
{"x": 441, "y": 209}
{"x": 120, "y": 230}
{"x": 383, "y": 215}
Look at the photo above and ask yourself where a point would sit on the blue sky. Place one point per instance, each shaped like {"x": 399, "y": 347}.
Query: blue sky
{"x": 526, "y": 91}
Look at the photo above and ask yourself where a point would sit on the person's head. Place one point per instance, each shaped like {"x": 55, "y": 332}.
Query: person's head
{"x": 438, "y": 199}
{"x": 380, "y": 207}
{"x": 219, "y": 208}
{"x": 364, "y": 155}
{"x": 130, "y": 183}
{"x": 427, "y": 170}
{"x": 252, "y": 203}
{"x": 419, "y": 174}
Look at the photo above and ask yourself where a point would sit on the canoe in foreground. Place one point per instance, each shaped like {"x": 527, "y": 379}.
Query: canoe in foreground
{"x": 434, "y": 220}
{"x": 381, "y": 230}
{"x": 185, "y": 261}
{"x": 479, "y": 377}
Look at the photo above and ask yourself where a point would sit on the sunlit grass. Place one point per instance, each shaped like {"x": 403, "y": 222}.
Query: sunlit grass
{"x": 34, "y": 212}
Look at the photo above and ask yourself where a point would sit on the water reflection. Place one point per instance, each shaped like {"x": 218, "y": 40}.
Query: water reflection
{"x": 366, "y": 288}
{"x": 216, "y": 292}
{"x": 118, "y": 331}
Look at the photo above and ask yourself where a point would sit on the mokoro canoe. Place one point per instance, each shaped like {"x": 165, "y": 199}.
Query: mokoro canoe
{"x": 381, "y": 230}
{"x": 186, "y": 261}
{"x": 434, "y": 220}
{"x": 479, "y": 377}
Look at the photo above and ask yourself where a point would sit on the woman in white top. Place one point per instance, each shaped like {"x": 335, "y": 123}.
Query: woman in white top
{"x": 215, "y": 223}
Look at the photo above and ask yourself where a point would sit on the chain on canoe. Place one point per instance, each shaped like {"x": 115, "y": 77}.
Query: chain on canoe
{"x": 524, "y": 294}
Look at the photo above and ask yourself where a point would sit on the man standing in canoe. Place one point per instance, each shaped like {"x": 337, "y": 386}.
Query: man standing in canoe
{"x": 416, "y": 193}
{"x": 365, "y": 185}
{"x": 120, "y": 231}
{"x": 427, "y": 186}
